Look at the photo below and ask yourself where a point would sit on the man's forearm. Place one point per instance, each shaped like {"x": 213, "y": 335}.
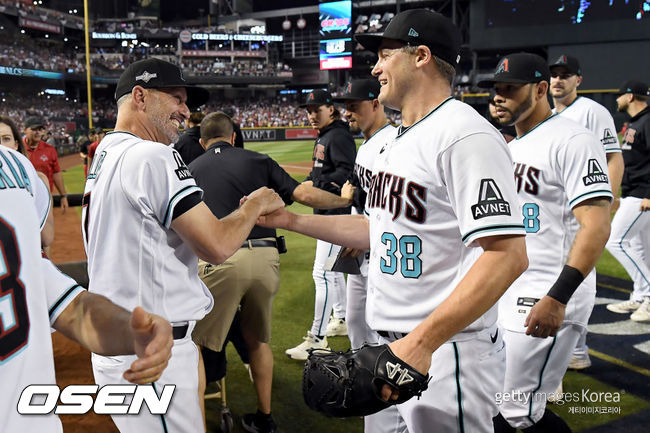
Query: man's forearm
{"x": 97, "y": 324}
{"x": 318, "y": 198}
{"x": 592, "y": 235}
{"x": 345, "y": 230}
{"x": 58, "y": 182}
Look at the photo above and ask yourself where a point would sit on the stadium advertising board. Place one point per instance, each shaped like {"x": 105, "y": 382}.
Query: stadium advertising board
{"x": 278, "y": 134}
{"x": 336, "y": 35}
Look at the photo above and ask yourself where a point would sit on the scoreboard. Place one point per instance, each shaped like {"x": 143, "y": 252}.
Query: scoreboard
{"x": 335, "y": 35}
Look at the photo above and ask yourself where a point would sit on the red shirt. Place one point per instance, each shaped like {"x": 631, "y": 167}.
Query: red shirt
{"x": 92, "y": 148}
{"x": 44, "y": 159}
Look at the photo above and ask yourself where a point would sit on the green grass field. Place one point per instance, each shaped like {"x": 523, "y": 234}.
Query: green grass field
{"x": 293, "y": 311}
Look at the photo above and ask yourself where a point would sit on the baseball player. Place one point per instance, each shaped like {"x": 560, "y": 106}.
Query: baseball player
{"x": 366, "y": 115}
{"x": 565, "y": 198}
{"x": 445, "y": 234}
{"x": 566, "y": 77}
{"x": 35, "y": 296}
{"x": 630, "y": 239}
{"x": 144, "y": 224}
{"x": 333, "y": 162}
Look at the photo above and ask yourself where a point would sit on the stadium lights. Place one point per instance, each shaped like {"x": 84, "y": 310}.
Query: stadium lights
{"x": 65, "y": 39}
{"x": 47, "y": 36}
{"x": 22, "y": 31}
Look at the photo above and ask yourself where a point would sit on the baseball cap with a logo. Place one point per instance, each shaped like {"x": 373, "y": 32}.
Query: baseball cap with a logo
{"x": 155, "y": 73}
{"x": 519, "y": 68}
{"x": 360, "y": 90}
{"x": 34, "y": 122}
{"x": 318, "y": 97}
{"x": 570, "y": 63}
{"x": 634, "y": 87}
{"x": 420, "y": 27}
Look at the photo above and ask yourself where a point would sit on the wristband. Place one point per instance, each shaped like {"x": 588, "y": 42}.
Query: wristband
{"x": 567, "y": 283}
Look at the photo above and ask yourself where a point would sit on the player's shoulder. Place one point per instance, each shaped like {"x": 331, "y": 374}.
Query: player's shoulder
{"x": 589, "y": 104}
{"x": 559, "y": 131}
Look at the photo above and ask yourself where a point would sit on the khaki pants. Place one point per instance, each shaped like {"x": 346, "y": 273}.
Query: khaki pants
{"x": 250, "y": 278}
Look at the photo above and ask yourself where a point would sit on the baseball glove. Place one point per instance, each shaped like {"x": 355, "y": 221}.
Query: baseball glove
{"x": 345, "y": 384}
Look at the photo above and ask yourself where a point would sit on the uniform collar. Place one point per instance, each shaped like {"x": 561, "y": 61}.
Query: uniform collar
{"x": 219, "y": 144}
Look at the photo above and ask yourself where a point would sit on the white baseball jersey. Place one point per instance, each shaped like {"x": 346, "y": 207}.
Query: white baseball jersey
{"x": 440, "y": 185}
{"x": 596, "y": 118}
{"x": 32, "y": 293}
{"x": 134, "y": 258}
{"x": 558, "y": 165}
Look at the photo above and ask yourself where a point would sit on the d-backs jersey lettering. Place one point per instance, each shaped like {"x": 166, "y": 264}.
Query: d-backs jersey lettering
{"x": 558, "y": 165}
{"x": 437, "y": 187}
{"x": 134, "y": 258}
{"x": 28, "y": 306}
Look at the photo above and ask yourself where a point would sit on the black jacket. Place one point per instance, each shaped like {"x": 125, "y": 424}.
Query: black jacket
{"x": 188, "y": 145}
{"x": 636, "y": 154}
{"x": 333, "y": 161}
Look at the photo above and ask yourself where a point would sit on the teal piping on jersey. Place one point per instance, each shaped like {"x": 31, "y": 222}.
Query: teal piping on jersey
{"x": 539, "y": 385}
{"x": 53, "y": 312}
{"x": 536, "y": 126}
{"x": 401, "y": 132}
{"x": 493, "y": 228}
{"x": 167, "y": 220}
{"x": 620, "y": 244}
{"x": 322, "y": 317}
{"x": 49, "y": 203}
{"x": 459, "y": 393}
{"x": 591, "y": 194}
{"x": 376, "y": 132}
{"x": 162, "y": 416}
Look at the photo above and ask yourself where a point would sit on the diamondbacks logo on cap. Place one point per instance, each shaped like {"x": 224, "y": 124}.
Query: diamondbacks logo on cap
{"x": 413, "y": 33}
{"x": 595, "y": 173}
{"x": 502, "y": 67}
{"x": 562, "y": 59}
{"x": 311, "y": 97}
{"x": 146, "y": 76}
{"x": 490, "y": 201}
{"x": 608, "y": 137}
{"x": 349, "y": 89}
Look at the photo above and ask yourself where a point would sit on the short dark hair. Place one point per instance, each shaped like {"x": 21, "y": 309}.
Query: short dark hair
{"x": 18, "y": 138}
{"x": 217, "y": 124}
{"x": 196, "y": 117}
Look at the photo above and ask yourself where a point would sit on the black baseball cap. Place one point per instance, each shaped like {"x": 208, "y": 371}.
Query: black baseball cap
{"x": 360, "y": 90}
{"x": 519, "y": 68}
{"x": 570, "y": 63}
{"x": 318, "y": 97}
{"x": 634, "y": 87}
{"x": 155, "y": 73}
{"x": 34, "y": 122}
{"x": 419, "y": 27}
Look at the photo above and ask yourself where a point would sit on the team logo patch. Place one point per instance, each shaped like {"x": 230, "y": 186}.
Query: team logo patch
{"x": 145, "y": 76}
{"x": 595, "y": 173}
{"x": 608, "y": 137}
{"x": 502, "y": 66}
{"x": 413, "y": 33}
{"x": 182, "y": 172}
{"x": 490, "y": 201}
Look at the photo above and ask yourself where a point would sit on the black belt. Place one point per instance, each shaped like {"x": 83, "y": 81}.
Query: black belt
{"x": 260, "y": 243}
{"x": 180, "y": 331}
{"x": 392, "y": 334}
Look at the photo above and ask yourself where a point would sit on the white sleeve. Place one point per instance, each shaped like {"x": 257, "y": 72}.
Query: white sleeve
{"x": 36, "y": 186}
{"x": 478, "y": 173}
{"x": 605, "y": 130}
{"x": 59, "y": 289}
{"x": 155, "y": 179}
{"x": 583, "y": 168}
